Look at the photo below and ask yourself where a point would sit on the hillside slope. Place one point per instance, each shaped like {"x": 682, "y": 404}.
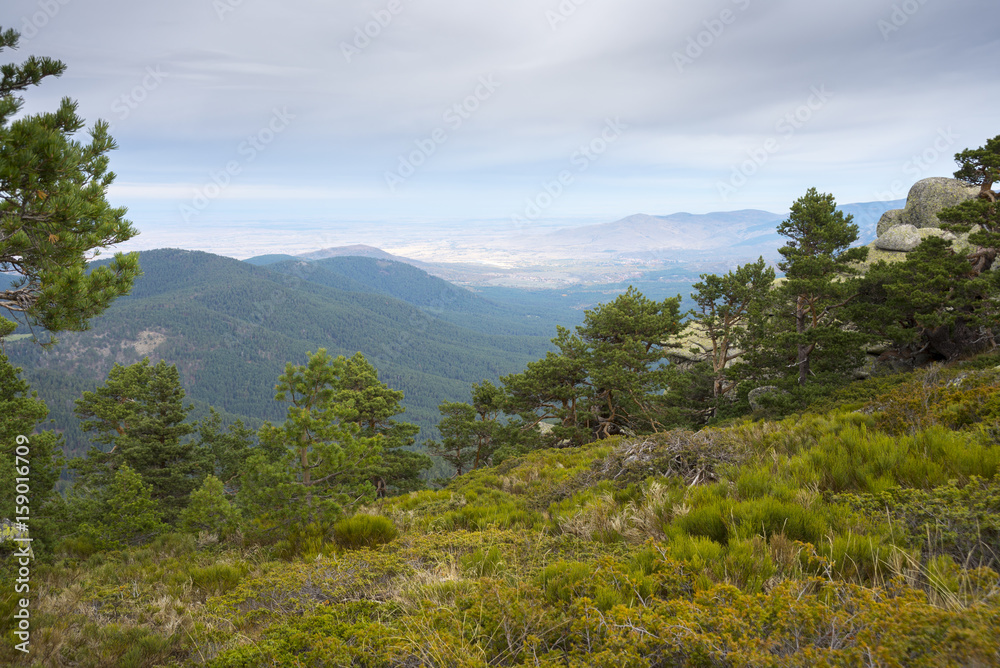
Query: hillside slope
{"x": 231, "y": 327}
{"x": 433, "y": 295}
{"x": 837, "y": 537}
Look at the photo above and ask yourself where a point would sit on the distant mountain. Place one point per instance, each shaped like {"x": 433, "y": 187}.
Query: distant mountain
{"x": 679, "y": 231}
{"x": 729, "y": 233}
{"x": 356, "y": 250}
{"x": 264, "y": 260}
{"x": 444, "y": 300}
{"x": 230, "y": 327}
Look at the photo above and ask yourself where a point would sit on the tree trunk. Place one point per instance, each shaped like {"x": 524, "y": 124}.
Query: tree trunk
{"x": 803, "y": 349}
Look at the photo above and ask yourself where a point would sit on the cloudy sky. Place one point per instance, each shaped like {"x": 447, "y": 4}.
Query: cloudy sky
{"x": 359, "y": 116}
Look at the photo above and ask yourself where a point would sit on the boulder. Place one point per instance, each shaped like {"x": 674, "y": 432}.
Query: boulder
{"x": 927, "y": 197}
{"x": 905, "y": 238}
{"x": 889, "y": 220}
{"x": 899, "y": 238}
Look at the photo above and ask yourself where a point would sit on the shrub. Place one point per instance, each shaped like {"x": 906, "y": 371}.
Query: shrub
{"x": 857, "y": 558}
{"x": 961, "y": 521}
{"x": 707, "y": 521}
{"x": 938, "y": 397}
{"x": 209, "y": 510}
{"x": 218, "y": 578}
{"x": 482, "y": 564}
{"x": 360, "y": 531}
{"x": 747, "y": 565}
{"x": 856, "y": 459}
{"x": 768, "y": 516}
{"x": 699, "y": 551}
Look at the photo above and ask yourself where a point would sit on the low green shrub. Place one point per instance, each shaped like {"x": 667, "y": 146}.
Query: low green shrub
{"x": 961, "y": 521}
{"x": 217, "y": 578}
{"x": 505, "y": 515}
{"x": 709, "y": 521}
{"x": 767, "y": 516}
{"x": 484, "y": 563}
{"x": 359, "y": 531}
{"x": 859, "y": 459}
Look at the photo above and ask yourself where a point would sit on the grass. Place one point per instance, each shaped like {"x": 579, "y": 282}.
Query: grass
{"x": 835, "y": 536}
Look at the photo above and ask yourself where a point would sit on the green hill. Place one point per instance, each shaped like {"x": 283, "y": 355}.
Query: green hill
{"x": 516, "y": 315}
{"x": 230, "y": 327}
{"x": 264, "y": 260}
{"x": 863, "y": 531}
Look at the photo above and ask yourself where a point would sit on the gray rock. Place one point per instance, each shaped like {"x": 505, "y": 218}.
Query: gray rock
{"x": 866, "y": 370}
{"x": 899, "y": 238}
{"x": 889, "y": 220}
{"x": 927, "y": 197}
{"x": 905, "y": 238}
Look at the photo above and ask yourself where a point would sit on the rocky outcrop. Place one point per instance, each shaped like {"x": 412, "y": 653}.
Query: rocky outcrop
{"x": 899, "y": 238}
{"x": 889, "y": 220}
{"x": 902, "y": 230}
{"x": 903, "y": 238}
{"x": 925, "y": 200}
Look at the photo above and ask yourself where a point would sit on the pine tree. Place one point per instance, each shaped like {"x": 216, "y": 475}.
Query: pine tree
{"x": 458, "y": 439}
{"x": 53, "y": 213}
{"x": 138, "y": 416}
{"x": 209, "y": 510}
{"x": 978, "y": 167}
{"x": 21, "y": 413}
{"x": 371, "y": 404}
{"x": 471, "y": 433}
{"x": 315, "y": 465}
{"x": 725, "y": 304}
{"x": 608, "y": 377}
{"x": 818, "y": 265}
{"x": 553, "y": 388}
{"x": 981, "y": 167}
{"x": 125, "y": 515}
{"x": 225, "y": 451}
{"x": 625, "y": 348}
{"x": 932, "y": 305}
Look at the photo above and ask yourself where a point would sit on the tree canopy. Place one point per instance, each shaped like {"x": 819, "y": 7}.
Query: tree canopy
{"x": 316, "y": 464}
{"x": 54, "y": 215}
{"x": 818, "y": 261}
{"x": 139, "y": 416}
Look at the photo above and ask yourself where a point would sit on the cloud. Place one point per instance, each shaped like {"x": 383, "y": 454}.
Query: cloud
{"x": 564, "y": 67}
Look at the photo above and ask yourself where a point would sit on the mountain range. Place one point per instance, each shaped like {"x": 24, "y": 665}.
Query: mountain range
{"x": 745, "y": 234}
{"x": 230, "y": 327}
{"x": 597, "y": 254}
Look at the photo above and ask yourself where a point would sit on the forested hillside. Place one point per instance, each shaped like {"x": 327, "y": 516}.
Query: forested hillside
{"x": 862, "y": 531}
{"x": 518, "y": 317}
{"x": 231, "y": 327}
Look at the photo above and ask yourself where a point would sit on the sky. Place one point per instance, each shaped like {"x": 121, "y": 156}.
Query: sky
{"x": 243, "y": 125}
